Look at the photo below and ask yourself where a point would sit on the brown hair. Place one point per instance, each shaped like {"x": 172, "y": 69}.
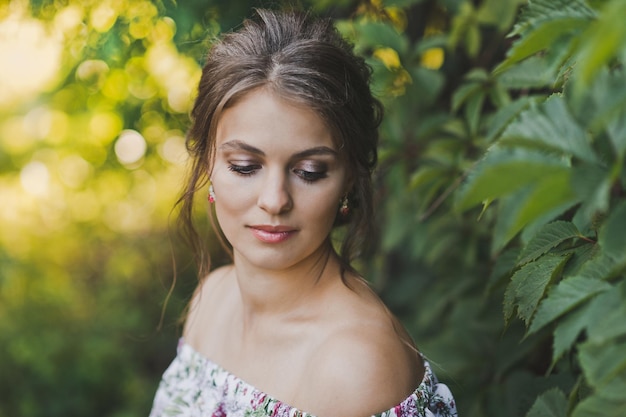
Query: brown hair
{"x": 304, "y": 60}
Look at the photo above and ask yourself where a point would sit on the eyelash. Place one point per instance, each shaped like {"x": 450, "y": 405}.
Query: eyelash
{"x": 248, "y": 170}
{"x": 245, "y": 170}
{"x": 309, "y": 176}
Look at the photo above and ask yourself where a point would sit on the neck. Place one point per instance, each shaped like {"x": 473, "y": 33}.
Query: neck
{"x": 279, "y": 294}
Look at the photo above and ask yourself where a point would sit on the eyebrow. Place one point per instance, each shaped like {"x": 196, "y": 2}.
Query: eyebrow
{"x": 240, "y": 145}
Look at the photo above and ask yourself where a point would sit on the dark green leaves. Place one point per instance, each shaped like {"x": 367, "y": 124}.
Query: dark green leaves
{"x": 550, "y": 126}
{"x": 528, "y": 285}
{"x": 533, "y": 182}
{"x": 547, "y": 238}
{"x": 605, "y": 368}
{"x": 503, "y": 171}
{"x": 551, "y": 403}
{"x": 568, "y": 294}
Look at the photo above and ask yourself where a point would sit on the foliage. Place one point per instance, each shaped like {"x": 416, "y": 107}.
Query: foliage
{"x": 536, "y": 139}
{"x": 573, "y": 228}
{"x": 502, "y": 212}
{"x": 93, "y": 109}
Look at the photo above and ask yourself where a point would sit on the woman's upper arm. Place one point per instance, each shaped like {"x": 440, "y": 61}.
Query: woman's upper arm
{"x": 357, "y": 375}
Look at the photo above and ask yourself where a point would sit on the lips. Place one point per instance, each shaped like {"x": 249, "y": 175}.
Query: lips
{"x": 272, "y": 234}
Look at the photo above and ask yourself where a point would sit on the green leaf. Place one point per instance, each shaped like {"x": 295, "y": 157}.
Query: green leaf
{"x": 472, "y": 40}
{"x": 499, "y": 13}
{"x": 431, "y": 41}
{"x": 601, "y": 267}
{"x": 612, "y": 236}
{"x": 611, "y": 259}
{"x": 608, "y": 316}
{"x": 478, "y": 75}
{"x": 598, "y": 406}
{"x": 536, "y": 203}
{"x": 550, "y": 195}
{"x": 583, "y": 253}
{"x": 539, "y": 39}
{"x": 503, "y": 171}
{"x": 533, "y": 72}
{"x": 592, "y": 185}
{"x": 551, "y": 126}
{"x": 604, "y": 100}
{"x": 539, "y": 11}
{"x": 504, "y": 265}
{"x": 426, "y": 87}
{"x": 463, "y": 93}
{"x": 402, "y": 3}
{"x": 616, "y": 129}
{"x": 567, "y": 331}
{"x": 379, "y": 34}
{"x": 602, "y": 42}
{"x": 473, "y": 111}
{"x": 603, "y": 317}
{"x": 528, "y": 285}
{"x": 604, "y": 366}
{"x": 499, "y": 96}
{"x": 426, "y": 175}
{"x": 508, "y": 208}
{"x": 551, "y": 403}
{"x": 505, "y": 115}
{"x": 568, "y": 294}
{"x": 548, "y": 237}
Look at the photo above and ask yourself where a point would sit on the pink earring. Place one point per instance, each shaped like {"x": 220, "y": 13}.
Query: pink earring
{"x": 344, "y": 209}
{"x": 211, "y": 194}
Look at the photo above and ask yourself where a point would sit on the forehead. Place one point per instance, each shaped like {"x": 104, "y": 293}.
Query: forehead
{"x": 262, "y": 117}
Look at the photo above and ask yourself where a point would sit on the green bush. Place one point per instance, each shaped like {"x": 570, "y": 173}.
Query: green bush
{"x": 536, "y": 139}
{"x": 557, "y": 172}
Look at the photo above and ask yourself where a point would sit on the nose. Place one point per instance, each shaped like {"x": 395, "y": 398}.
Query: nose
{"x": 274, "y": 196}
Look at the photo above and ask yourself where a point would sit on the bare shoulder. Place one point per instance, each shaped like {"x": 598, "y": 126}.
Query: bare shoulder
{"x": 207, "y": 293}
{"x": 363, "y": 368}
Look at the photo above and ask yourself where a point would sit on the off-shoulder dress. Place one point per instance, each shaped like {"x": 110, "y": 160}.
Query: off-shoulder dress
{"x": 194, "y": 386}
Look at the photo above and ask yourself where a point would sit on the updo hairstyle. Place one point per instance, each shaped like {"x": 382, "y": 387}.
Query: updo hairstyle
{"x": 303, "y": 60}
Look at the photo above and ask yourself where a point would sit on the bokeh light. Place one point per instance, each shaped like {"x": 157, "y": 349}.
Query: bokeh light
{"x": 35, "y": 178}
{"x": 74, "y": 170}
{"x": 173, "y": 149}
{"x": 30, "y": 54}
{"x": 130, "y": 147}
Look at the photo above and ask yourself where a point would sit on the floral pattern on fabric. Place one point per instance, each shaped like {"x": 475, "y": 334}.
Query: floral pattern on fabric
{"x": 193, "y": 386}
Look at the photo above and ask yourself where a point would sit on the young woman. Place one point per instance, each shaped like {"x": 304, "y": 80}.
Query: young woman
{"x": 285, "y": 130}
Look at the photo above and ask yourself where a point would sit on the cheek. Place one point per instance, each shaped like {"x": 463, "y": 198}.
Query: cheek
{"x": 227, "y": 185}
{"x": 231, "y": 197}
{"x": 322, "y": 210}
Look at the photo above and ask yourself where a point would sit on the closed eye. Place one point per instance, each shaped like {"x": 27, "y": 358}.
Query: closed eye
{"x": 244, "y": 169}
{"x": 310, "y": 176}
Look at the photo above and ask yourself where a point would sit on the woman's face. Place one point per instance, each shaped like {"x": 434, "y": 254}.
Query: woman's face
{"x": 278, "y": 179}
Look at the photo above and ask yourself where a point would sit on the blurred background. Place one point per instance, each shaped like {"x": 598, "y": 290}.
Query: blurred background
{"x": 94, "y": 104}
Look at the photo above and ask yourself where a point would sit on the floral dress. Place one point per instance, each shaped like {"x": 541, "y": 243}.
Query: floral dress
{"x": 193, "y": 386}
